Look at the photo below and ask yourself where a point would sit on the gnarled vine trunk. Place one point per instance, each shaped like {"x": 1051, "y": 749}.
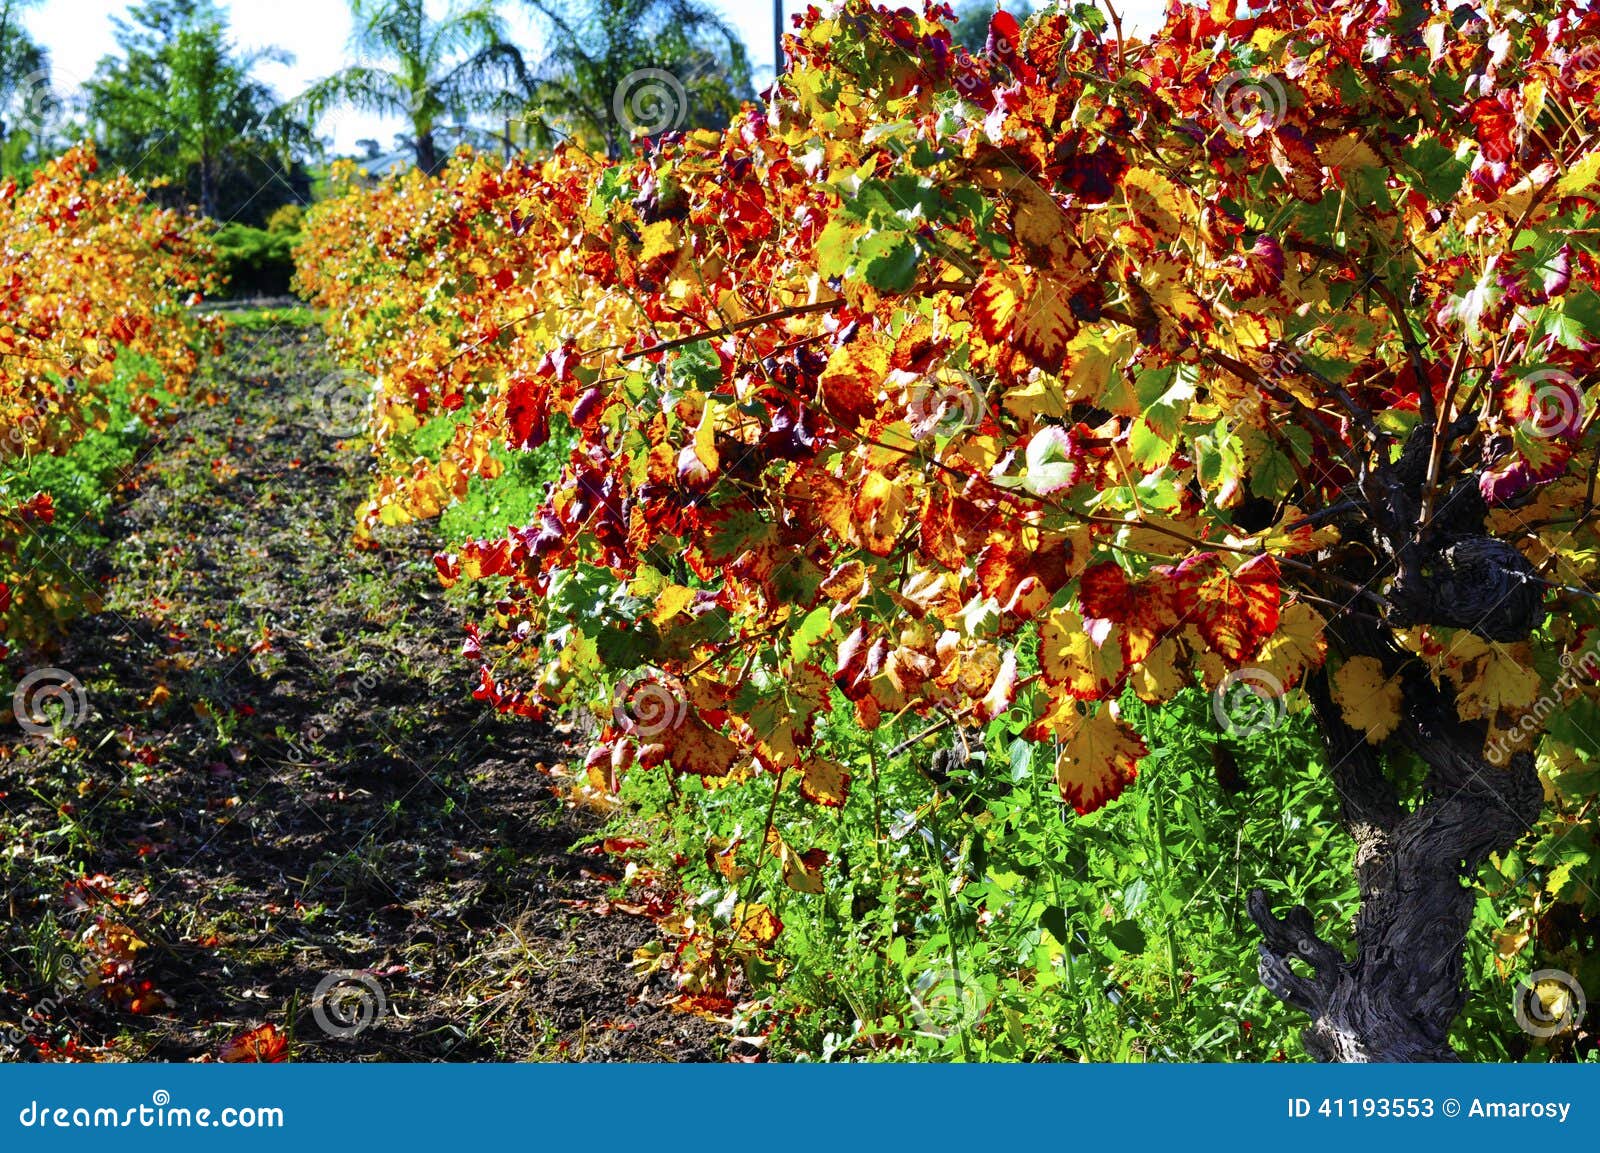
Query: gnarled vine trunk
{"x": 1396, "y": 998}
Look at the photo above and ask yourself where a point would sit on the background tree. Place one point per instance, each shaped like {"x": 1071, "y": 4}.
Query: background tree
{"x": 425, "y": 70}
{"x": 181, "y": 102}
{"x": 656, "y": 64}
{"x": 26, "y": 99}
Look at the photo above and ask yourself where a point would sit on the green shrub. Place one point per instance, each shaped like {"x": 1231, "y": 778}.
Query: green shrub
{"x": 257, "y": 262}
{"x": 286, "y": 218}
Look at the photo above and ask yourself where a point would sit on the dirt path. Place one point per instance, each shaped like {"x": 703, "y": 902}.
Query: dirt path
{"x": 281, "y": 776}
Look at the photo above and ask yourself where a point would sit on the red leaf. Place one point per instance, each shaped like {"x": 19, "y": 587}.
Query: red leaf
{"x": 527, "y": 412}
{"x": 1234, "y": 610}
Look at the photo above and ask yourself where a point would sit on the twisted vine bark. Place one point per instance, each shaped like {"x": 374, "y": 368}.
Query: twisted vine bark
{"x": 1396, "y": 998}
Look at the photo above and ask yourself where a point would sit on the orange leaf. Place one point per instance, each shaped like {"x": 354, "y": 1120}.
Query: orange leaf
{"x": 265, "y": 1045}
{"x": 852, "y": 380}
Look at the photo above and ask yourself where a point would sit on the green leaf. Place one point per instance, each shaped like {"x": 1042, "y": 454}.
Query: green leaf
{"x": 1433, "y": 169}
{"x": 1575, "y": 322}
{"x": 1273, "y": 476}
{"x": 817, "y": 624}
{"x": 1127, "y": 936}
{"x": 889, "y": 261}
{"x": 1054, "y": 921}
{"x": 1148, "y": 447}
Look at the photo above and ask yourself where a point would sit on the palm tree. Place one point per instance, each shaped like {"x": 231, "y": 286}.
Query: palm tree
{"x": 183, "y": 102}
{"x": 617, "y": 65}
{"x": 425, "y": 70}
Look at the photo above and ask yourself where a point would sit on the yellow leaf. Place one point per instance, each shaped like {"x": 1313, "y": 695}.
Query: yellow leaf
{"x": 1157, "y": 203}
{"x": 1099, "y": 758}
{"x": 1298, "y": 644}
{"x": 1493, "y": 682}
{"x": 880, "y": 512}
{"x": 1349, "y": 153}
{"x": 659, "y": 239}
{"x": 1163, "y": 279}
{"x": 846, "y": 583}
{"x": 1093, "y": 359}
{"x": 1581, "y": 178}
{"x": 1368, "y": 700}
{"x": 671, "y": 601}
{"x": 1088, "y": 667}
{"x": 1158, "y": 677}
{"x": 801, "y": 872}
{"x": 1045, "y": 325}
{"x": 825, "y": 783}
{"x": 705, "y": 438}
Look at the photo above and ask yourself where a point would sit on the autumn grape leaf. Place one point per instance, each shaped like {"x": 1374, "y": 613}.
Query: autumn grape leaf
{"x": 265, "y": 1045}
{"x": 802, "y": 872}
{"x": 695, "y": 749}
{"x": 995, "y": 303}
{"x": 756, "y": 923}
{"x": 1144, "y": 610}
{"x": 1076, "y": 659}
{"x": 1044, "y": 325}
{"x": 1492, "y": 681}
{"x": 1368, "y": 699}
{"x": 1298, "y": 644}
{"x": 1160, "y": 675}
{"x": 825, "y": 782}
{"x": 1159, "y": 205}
{"x": 1099, "y": 758}
{"x": 880, "y": 511}
{"x": 1234, "y": 609}
{"x": 852, "y": 380}
{"x": 527, "y": 412}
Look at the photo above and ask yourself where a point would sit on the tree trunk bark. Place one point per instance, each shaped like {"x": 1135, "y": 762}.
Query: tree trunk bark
{"x": 427, "y": 153}
{"x": 1396, "y": 999}
{"x": 208, "y": 189}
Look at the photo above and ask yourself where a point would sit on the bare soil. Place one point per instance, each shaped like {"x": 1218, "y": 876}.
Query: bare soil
{"x": 282, "y": 775}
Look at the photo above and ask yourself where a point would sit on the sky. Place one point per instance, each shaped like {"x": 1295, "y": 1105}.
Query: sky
{"x": 77, "y": 33}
